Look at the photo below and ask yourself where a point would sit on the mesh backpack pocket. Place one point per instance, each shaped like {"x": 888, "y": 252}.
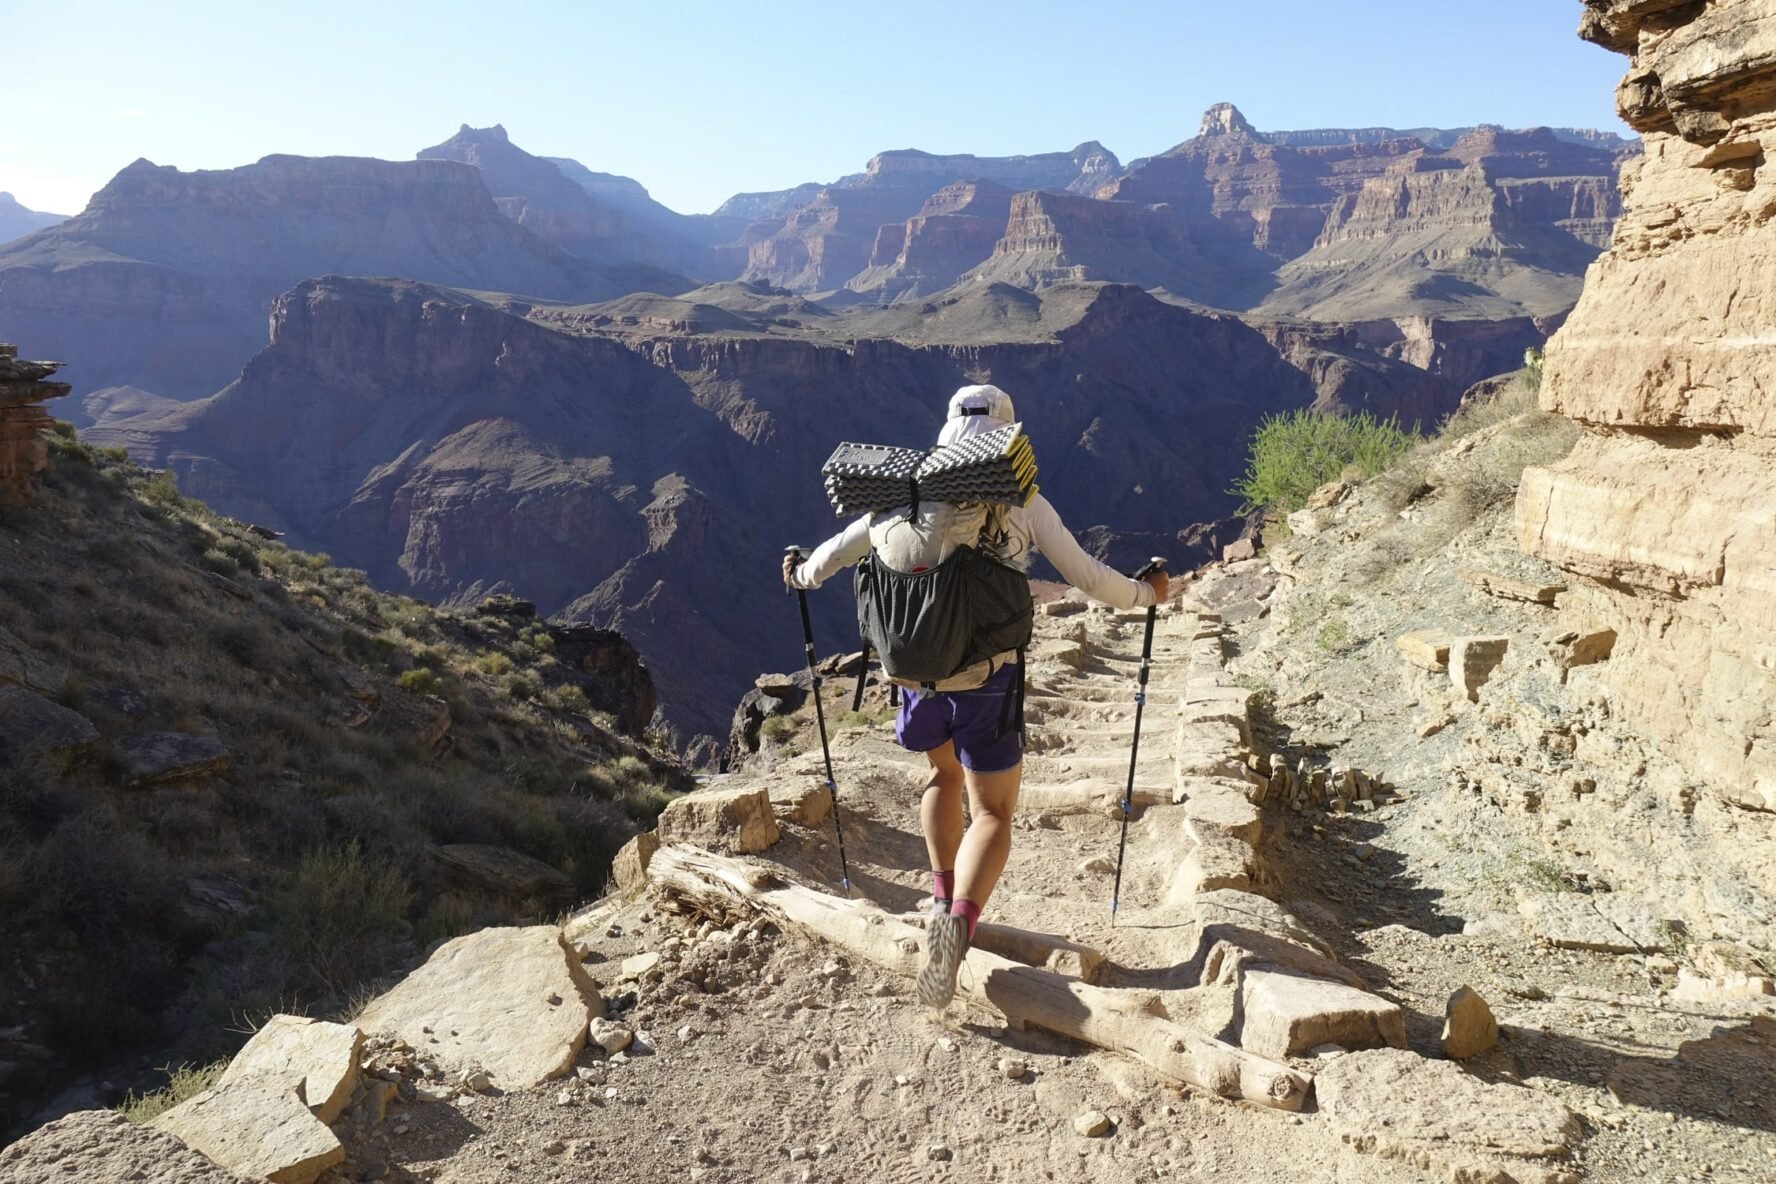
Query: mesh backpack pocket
{"x": 926, "y": 626}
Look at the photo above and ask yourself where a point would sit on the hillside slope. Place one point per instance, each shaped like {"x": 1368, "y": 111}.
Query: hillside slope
{"x": 239, "y": 778}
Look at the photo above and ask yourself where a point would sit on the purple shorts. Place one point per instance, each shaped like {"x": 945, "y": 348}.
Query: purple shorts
{"x": 970, "y": 718}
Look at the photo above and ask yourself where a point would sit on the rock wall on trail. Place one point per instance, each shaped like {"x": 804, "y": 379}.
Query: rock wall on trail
{"x": 1665, "y": 508}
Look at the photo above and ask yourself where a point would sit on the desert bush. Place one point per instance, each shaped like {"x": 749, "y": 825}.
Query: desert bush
{"x": 520, "y": 688}
{"x": 183, "y": 1081}
{"x": 569, "y": 698}
{"x": 1295, "y": 453}
{"x": 493, "y": 663}
{"x": 421, "y": 680}
{"x": 1334, "y": 636}
{"x": 160, "y": 488}
{"x": 777, "y": 728}
{"x": 340, "y": 913}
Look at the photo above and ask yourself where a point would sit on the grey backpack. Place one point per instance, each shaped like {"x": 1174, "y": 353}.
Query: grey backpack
{"x": 934, "y": 603}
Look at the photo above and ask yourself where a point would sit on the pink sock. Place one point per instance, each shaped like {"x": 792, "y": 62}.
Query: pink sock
{"x": 968, "y": 911}
{"x": 943, "y": 885}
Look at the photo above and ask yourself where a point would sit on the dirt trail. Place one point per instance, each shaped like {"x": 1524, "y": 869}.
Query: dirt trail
{"x": 763, "y": 1056}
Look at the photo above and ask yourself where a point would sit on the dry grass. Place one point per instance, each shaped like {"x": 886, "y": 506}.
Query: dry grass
{"x": 183, "y": 1081}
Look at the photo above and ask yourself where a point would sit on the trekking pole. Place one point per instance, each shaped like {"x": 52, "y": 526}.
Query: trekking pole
{"x": 1155, "y": 564}
{"x": 832, "y": 787}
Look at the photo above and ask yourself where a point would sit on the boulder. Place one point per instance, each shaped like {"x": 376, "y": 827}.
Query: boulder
{"x": 1238, "y": 550}
{"x": 31, "y": 724}
{"x": 503, "y": 872}
{"x": 1425, "y": 648}
{"x": 101, "y": 1146}
{"x": 1397, "y": 1103}
{"x": 805, "y": 803}
{"x": 165, "y": 758}
{"x": 514, "y": 1002}
{"x": 257, "y": 1130}
{"x": 629, "y": 868}
{"x": 317, "y": 1061}
{"x": 1214, "y": 863}
{"x": 1472, "y": 661}
{"x": 739, "y": 821}
{"x": 1287, "y": 1014}
{"x": 1469, "y": 1028}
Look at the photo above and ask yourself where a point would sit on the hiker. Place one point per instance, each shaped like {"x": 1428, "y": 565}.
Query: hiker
{"x": 960, "y": 724}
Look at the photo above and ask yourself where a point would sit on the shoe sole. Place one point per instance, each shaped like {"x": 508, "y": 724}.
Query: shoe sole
{"x": 943, "y": 957}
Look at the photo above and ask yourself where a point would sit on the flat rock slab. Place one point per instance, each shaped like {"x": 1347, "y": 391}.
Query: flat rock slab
{"x": 256, "y": 1131}
{"x": 514, "y": 1002}
{"x": 29, "y": 723}
{"x": 1214, "y": 862}
{"x": 317, "y": 1061}
{"x": 1425, "y": 648}
{"x": 162, "y": 758}
{"x": 739, "y": 821}
{"x": 101, "y": 1146}
{"x": 1219, "y": 808}
{"x": 1401, "y": 1102}
{"x": 504, "y": 872}
{"x": 805, "y": 803}
{"x": 1286, "y": 1014}
{"x": 1606, "y": 923}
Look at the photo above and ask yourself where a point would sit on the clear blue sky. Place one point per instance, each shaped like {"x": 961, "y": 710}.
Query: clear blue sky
{"x": 698, "y": 100}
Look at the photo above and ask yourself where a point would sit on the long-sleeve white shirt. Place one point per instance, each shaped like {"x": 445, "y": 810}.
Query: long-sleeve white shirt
{"x": 1035, "y": 527}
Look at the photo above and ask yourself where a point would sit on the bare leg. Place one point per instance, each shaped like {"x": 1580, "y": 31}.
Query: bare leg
{"x": 987, "y": 844}
{"x": 940, "y": 811}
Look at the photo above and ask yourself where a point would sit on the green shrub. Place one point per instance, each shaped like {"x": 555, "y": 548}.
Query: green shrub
{"x": 1531, "y": 374}
{"x": 519, "y": 688}
{"x": 493, "y": 664}
{"x": 1295, "y": 453}
{"x": 569, "y": 698}
{"x": 1334, "y": 636}
{"x": 777, "y": 729}
{"x": 161, "y": 489}
{"x": 421, "y": 681}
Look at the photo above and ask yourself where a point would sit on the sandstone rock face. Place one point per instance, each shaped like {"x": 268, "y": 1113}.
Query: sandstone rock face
{"x": 1663, "y": 510}
{"x": 629, "y": 868}
{"x": 317, "y": 1060}
{"x": 259, "y": 1132}
{"x": 737, "y": 820}
{"x": 512, "y": 1002}
{"x": 23, "y": 451}
{"x": 269, "y": 1115}
{"x": 953, "y": 231}
{"x": 102, "y": 1145}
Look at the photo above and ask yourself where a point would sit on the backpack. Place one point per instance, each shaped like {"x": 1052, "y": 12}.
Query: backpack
{"x": 933, "y": 603}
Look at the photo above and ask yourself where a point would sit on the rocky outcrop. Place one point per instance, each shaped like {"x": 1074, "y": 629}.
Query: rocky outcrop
{"x": 1054, "y": 238}
{"x": 825, "y": 240}
{"x": 953, "y": 231}
{"x": 103, "y": 1145}
{"x": 23, "y": 451}
{"x": 1664, "y": 509}
{"x": 1358, "y": 225}
{"x": 164, "y": 281}
{"x": 1499, "y": 225}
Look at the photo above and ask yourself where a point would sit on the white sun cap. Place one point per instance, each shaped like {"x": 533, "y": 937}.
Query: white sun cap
{"x": 973, "y": 410}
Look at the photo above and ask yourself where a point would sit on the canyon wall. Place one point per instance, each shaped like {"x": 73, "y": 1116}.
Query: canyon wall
{"x": 1666, "y": 510}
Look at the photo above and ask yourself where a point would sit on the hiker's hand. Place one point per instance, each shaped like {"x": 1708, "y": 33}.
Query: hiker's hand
{"x": 790, "y": 563}
{"x": 1162, "y": 586}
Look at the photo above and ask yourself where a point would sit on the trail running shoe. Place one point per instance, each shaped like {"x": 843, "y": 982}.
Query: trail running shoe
{"x": 946, "y": 941}
{"x": 939, "y": 907}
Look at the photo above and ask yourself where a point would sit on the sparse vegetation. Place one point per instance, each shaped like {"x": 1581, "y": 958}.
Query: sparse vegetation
{"x": 313, "y": 849}
{"x": 1295, "y": 453}
{"x": 183, "y": 1081}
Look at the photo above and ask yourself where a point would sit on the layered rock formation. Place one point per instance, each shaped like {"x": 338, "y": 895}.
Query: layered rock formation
{"x": 1054, "y": 238}
{"x": 16, "y": 221}
{"x": 825, "y": 240}
{"x": 452, "y": 449}
{"x": 1664, "y": 509}
{"x": 1501, "y": 224}
{"x": 956, "y": 228}
{"x": 164, "y": 281}
{"x": 23, "y": 450}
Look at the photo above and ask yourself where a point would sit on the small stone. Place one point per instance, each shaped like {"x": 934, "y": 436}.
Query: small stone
{"x": 945, "y": 1043}
{"x": 938, "y": 1153}
{"x": 688, "y": 1033}
{"x": 831, "y": 970}
{"x": 554, "y": 1147}
{"x": 799, "y": 1154}
{"x": 1013, "y": 1070}
{"x": 613, "y": 1038}
{"x": 565, "y": 1098}
{"x": 900, "y": 1079}
{"x": 641, "y": 965}
{"x": 812, "y": 1002}
{"x": 1469, "y": 1028}
{"x": 610, "y": 1095}
{"x": 1092, "y": 1124}
{"x": 1097, "y": 865}
{"x": 477, "y": 1081}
